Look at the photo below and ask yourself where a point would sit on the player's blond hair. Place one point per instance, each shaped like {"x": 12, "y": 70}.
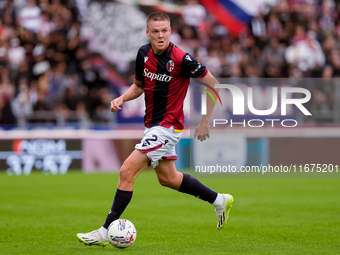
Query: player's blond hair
{"x": 157, "y": 16}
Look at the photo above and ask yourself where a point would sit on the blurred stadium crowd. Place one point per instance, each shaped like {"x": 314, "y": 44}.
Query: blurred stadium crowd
{"x": 45, "y": 76}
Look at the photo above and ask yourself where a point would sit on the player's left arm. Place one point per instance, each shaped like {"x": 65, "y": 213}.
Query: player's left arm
{"x": 202, "y": 131}
{"x": 194, "y": 69}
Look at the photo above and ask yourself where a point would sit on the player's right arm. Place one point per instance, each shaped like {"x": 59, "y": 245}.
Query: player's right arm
{"x": 136, "y": 89}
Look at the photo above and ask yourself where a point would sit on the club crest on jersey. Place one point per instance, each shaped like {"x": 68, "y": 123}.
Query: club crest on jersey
{"x": 170, "y": 65}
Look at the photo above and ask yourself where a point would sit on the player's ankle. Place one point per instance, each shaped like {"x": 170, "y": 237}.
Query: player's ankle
{"x": 103, "y": 231}
{"x": 219, "y": 201}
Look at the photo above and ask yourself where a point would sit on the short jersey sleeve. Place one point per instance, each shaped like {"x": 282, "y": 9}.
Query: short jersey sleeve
{"x": 139, "y": 66}
{"x": 192, "y": 68}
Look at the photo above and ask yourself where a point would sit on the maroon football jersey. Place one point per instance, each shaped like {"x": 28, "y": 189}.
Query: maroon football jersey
{"x": 166, "y": 79}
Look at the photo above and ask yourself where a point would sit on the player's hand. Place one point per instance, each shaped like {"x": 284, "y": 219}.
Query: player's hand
{"x": 115, "y": 104}
{"x": 202, "y": 131}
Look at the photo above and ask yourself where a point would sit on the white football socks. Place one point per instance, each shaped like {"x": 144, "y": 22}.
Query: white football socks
{"x": 219, "y": 201}
{"x": 103, "y": 232}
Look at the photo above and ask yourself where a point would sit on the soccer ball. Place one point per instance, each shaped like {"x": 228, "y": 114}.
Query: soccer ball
{"x": 121, "y": 233}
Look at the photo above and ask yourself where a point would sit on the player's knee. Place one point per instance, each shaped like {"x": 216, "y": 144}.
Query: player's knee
{"x": 126, "y": 173}
{"x": 166, "y": 182}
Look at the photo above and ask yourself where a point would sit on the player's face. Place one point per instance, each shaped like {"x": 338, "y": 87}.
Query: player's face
{"x": 159, "y": 32}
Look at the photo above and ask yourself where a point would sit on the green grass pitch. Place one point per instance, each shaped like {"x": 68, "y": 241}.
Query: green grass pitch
{"x": 41, "y": 214}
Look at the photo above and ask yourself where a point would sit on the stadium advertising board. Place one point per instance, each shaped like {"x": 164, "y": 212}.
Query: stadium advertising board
{"x": 22, "y": 156}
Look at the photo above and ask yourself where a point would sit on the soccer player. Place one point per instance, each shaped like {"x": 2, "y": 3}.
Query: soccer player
{"x": 163, "y": 72}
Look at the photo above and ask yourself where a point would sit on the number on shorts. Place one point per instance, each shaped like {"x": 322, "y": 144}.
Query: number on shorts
{"x": 147, "y": 140}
